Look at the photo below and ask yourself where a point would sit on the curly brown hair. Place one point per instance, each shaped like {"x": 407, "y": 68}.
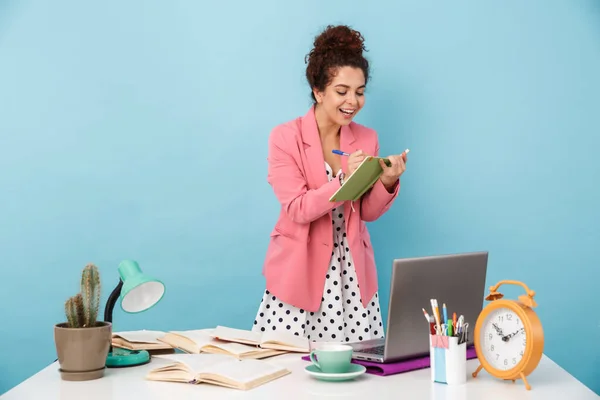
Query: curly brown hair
{"x": 337, "y": 46}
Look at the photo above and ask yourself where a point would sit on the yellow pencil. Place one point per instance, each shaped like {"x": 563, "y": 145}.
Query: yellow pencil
{"x": 437, "y": 312}
{"x": 436, "y": 315}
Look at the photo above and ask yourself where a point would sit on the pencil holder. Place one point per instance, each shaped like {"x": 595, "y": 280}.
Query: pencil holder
{"x": 448, "y": 359}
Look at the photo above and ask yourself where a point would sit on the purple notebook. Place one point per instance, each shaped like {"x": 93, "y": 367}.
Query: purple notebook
{"x": 401, "y": 366}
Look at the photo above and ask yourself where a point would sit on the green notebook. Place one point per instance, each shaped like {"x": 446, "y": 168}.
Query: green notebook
{"x": 361, "y": 180}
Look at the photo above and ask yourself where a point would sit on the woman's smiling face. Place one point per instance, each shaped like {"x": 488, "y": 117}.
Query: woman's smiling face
{"x": 344, "y": 97}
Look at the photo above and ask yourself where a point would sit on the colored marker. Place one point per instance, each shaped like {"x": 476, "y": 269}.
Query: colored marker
{"x": 445, "y": 312}
{"x": 454, "y": 321}
{"x": 449, "y": 325}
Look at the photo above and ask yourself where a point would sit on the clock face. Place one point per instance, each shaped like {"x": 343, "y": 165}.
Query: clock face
{"x": 503, "y": 339}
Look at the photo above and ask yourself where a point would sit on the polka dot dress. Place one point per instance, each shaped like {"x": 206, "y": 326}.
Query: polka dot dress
{"x": 341, "y": 316}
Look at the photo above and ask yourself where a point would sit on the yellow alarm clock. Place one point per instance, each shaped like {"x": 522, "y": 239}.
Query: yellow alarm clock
{"x": 509, "y": 339}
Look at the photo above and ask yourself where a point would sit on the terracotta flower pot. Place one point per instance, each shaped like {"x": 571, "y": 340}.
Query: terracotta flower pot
{"x": 82, "y": 352}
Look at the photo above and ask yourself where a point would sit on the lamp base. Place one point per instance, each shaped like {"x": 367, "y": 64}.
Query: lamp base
{"x": 121, "y": 358}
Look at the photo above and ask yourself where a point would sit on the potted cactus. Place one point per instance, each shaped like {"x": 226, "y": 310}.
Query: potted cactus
{"x": 82, "y": 342}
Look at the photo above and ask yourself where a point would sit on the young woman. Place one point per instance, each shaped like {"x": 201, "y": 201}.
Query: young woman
{"x": 321, "y": 279}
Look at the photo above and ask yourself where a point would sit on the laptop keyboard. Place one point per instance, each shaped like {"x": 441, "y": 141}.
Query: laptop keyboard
{"x": 374, "y": 350}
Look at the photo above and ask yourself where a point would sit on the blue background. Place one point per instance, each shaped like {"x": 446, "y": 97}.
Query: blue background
{"x": 139, "y": 130}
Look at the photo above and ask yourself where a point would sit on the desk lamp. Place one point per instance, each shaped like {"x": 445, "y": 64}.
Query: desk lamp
{"x": 138, "y": 292}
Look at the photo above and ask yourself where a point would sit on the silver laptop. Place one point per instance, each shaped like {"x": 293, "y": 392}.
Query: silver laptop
{"x": 456, "y": 279}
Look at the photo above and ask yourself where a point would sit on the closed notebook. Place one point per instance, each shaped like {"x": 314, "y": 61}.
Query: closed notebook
{"x": 139, "y": 340}
{"x": 217, "y": 370}
{"x": 361, "y": 180}
{"x": 277, "y": 340}
{"x": 202, "y": 341}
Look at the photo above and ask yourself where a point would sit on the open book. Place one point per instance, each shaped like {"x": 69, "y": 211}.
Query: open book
{"x": 361, "y": 180}
{"x": 217, "y": 370}
{"x": 140, "y": 340}
{"x": 202, "y": 341}
{"x": 277, "y": 340}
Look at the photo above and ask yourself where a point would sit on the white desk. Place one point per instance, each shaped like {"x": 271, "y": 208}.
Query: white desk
{"x": 549, "y": 381}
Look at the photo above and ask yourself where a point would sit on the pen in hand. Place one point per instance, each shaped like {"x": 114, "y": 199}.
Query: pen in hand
{"x": 341, "y": 153}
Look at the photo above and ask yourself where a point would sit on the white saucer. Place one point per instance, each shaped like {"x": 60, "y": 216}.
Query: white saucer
{"x": 355, "y": 370}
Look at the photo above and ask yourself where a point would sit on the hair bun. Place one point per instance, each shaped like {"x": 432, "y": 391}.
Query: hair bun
{"x": 339, "y": 38}
{"x": 336, "y": 47}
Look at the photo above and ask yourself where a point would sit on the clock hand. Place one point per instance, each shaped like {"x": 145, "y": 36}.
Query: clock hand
{"x": 498, "y": 330}
{"x": 505, "y": 338}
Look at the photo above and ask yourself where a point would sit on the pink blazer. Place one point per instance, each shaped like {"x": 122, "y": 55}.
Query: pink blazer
{"x": 301, "y": 242}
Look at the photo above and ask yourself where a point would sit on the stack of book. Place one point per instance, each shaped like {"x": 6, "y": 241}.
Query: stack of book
{"x": 239, "y": 343}
{"x": 229, "y": 357}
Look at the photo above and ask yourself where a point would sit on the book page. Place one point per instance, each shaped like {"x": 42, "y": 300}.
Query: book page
{"x": 142, "y": 336}
{"x": 190, "y": 341}
{"x": 285, "y": 341}
{"x": 237, "y": 349}
{"x": 195, "y": 362}
{"x": 183, "y": 367}
{"x": 242, "y": 371}
{"x": 200, "y": 337}
{"x": 237, "y": 335}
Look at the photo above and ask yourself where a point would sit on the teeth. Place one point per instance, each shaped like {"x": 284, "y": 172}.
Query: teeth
{"x": 346, "y": 111}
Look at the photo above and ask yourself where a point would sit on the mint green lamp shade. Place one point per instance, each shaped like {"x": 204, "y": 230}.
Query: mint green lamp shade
{"x": 140, "y": 292}
{"x": 137, "y": 292}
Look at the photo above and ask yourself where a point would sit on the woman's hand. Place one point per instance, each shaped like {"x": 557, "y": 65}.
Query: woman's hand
{"x": 392, "y": 173}
{"x": 354, "y": 161}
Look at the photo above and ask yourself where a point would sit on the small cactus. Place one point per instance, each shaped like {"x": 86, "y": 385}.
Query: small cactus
{"x": 74, "y": 311}
{"x": 90, "y": 291}
{"x": 82, "y": 309}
